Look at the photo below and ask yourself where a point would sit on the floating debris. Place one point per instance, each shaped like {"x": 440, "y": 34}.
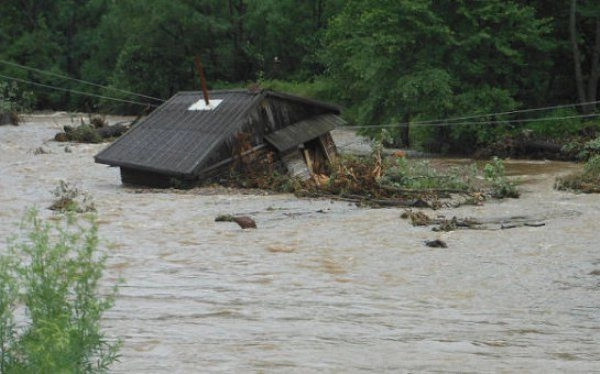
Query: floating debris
{"x": 436, "y": 243}
{"x": 96, "y": 131}
{"x": 41, "y": 151}
{"x": 417, "y": 218}
{"x": 245, "y": 222}
{"x": 444, "y": 224}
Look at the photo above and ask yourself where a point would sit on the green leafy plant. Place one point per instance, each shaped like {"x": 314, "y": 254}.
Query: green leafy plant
{"x": 501, "y": 187}
{"x": 590, "y": 149}
{"x": 53, "y": 272}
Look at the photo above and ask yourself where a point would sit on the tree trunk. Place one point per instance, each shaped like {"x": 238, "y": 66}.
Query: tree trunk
{"x": 577, "y": 56}
{"x": 594, "y": 69}
{"x": 404, "y": 131}
{"x": 237, "y": 9}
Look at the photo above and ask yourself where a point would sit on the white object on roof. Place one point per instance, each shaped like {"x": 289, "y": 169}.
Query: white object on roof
{"x": 201, "y": 105}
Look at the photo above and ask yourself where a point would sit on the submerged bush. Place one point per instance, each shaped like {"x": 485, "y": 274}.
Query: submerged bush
{"x": 13, "y": 100}
{"x": 49, "y": 283}
{"x": 587, "y": 181}
{"x": 420, "y": 175}
{"x": 68, "y": 198}
{"x": 501, "y": 187}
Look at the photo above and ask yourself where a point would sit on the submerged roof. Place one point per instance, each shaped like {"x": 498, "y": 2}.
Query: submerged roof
{"x": 173, "y": 139}
{"x": 180, "y": 135}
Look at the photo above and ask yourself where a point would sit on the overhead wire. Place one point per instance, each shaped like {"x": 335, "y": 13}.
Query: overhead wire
{"x": 443, "y": 123}
{"x": 516, "y": 111}
{"x": 425, "y": 123}
{"x": 75, "y": 91}
{"x": 51, "y": 74}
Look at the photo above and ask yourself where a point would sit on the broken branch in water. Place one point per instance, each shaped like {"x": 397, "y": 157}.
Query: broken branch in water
{"x": 443, "y": 224}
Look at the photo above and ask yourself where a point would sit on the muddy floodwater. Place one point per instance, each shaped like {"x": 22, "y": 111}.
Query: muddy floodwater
{"x": 325, "y": 286}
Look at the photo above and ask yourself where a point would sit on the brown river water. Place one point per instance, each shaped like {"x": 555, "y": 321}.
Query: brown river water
{"x": 325, "y": 286}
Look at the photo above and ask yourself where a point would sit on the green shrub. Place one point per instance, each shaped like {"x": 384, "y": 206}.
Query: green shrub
{"x": 587, "y": 181}
{"x": 501, "y": 187}
{"x": 53, "y": 273}
{"x": 13, "y": 99}
{"x": 420, "y": 175}
{"x": 84, "y": 134}
{"x": 591, "y": 168}
{"x": 590, "y": 149}
{"x": 555, "y": 128}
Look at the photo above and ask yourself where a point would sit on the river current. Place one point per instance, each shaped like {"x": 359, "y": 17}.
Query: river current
{"x": 326, "y": 286}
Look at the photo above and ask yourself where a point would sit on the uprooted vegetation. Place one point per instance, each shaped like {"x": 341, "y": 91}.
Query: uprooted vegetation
{"x": 68, "y": 198}
{"x": 96, "y": 130}
{"x": 381, "y": 181}
{"x": 587, "y": 181}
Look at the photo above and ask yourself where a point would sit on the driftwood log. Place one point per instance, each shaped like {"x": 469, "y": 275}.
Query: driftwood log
{"x": 444, "y": 224}
{"x": 244, "y": 222}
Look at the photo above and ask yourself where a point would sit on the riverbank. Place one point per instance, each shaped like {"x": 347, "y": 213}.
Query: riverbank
{"x": 324, "y": 286}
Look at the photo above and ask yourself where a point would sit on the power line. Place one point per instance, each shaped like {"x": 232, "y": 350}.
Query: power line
{"x": 75, "y": 91}
{"x": 78, "y": 80}
{"x": 518, "y": 111}
{"x": 442, "y": 123}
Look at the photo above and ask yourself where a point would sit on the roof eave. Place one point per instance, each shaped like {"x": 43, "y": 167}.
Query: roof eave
{"x": 336, "y": 109}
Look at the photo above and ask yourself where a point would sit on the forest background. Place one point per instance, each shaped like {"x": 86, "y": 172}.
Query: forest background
{"x": 464, "y": 74}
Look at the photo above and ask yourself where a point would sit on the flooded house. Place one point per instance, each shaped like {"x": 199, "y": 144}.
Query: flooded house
{"x": 191, "y": 138}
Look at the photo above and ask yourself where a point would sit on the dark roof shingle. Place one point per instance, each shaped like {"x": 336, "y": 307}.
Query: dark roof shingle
{"x": 174, "y": 140}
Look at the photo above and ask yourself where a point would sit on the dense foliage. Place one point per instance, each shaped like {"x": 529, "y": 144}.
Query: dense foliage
{"x": 51, "y": 302}
{"x": 388, "y": 62}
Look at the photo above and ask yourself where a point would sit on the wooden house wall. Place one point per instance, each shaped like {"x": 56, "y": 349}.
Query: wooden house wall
{"x": 145, "y": 178}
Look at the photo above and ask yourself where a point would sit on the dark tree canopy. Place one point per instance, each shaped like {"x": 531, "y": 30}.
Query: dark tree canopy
{"x": 386, "y": 61}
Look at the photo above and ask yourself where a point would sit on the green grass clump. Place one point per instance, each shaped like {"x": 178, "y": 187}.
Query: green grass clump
{"x": 50, "y": 282}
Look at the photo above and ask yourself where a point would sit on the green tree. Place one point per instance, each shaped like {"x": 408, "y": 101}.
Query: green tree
{"x": 285, "y": 36}
{"x": 48, "y": 35}
{"x": 397, "y": 61}
{"x": 584, "y": 31}
{"x": 385, "y": 57}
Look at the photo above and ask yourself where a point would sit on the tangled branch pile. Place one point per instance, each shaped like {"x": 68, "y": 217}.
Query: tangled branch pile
{"x": 378, "y": 180}
{"x": 96, "y": 131}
